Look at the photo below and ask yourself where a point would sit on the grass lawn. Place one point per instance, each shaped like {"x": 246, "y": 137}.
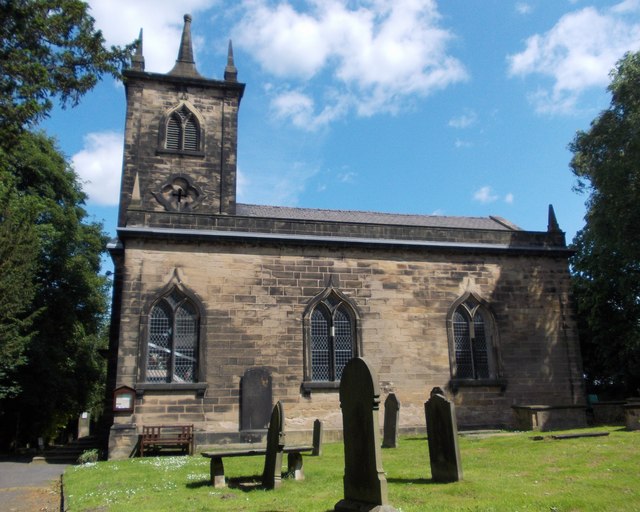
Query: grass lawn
{"x": 509, "y": 472}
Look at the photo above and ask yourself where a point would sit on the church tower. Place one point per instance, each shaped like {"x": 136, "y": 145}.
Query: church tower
{"x": 180, "y": 142}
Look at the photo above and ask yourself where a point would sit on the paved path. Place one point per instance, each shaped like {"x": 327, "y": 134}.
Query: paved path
{"x": 29, "y": 487}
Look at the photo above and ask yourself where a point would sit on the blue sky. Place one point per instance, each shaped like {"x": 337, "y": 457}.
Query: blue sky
{"x": 456, "y": 107}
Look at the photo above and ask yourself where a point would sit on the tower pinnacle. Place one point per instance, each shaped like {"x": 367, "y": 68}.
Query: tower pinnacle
{"x": 230, "y": 71}
{"x": 185, "y": 64}
{"x": 137, "y": 61}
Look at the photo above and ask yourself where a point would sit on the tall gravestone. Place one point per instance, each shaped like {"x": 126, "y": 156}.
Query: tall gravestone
{"x": 272, "y": 472}
{"x": 256, "y": 400}
{"x": 391, "y": 421}
{"x": 442, "y": 434}
{"x": 365, "y": 486}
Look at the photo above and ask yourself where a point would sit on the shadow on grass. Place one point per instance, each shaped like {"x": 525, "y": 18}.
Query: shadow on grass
{"x": 244, "y": 483}
{"x": 417, "y": 481}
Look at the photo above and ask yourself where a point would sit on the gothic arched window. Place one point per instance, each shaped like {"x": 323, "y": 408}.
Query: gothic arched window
{"x": 472, "y": 337}
{"x": 331, "y": 337}
{"x": 182, "y": 130}
{"x": 172, "y": 342}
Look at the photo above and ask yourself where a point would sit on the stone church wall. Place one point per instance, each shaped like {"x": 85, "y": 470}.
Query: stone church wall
{"x": 254, "y": 297}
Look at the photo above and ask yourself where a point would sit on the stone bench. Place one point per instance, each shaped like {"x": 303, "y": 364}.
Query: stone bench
{"x": 271, "y": 476}
{"x": 163, "y": 436}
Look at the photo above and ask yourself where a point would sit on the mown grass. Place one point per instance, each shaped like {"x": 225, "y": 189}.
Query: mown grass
{"x": 508, "y": 472}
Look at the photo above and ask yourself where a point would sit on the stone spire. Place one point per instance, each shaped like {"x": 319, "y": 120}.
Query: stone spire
{"x": 230, "y": 71}
{"x": 185, "y": 65}
{"x": 137, "y": 61}
{"x": 552, "y": 223}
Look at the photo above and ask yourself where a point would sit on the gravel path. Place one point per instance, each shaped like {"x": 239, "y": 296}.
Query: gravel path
{"x": 29, "y": 487}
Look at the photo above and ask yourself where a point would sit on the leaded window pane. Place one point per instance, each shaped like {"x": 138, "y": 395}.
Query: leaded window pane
{"x": 319, "y": 345}
{"x": 159, "y": 346}
{"x": 480, "y": 349}
{"x": 185, "y": 344}
{"x": 343, "y": 341}
{"x": 462, "y": 344}
{"x": 172, "y": 347}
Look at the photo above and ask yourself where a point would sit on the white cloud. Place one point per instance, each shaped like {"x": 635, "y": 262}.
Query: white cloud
{"x": 465, "y": 120}
{"x": 376, "y": 54}
{"x": 523, "y": 8}
{"x": 99, "y": 166}
{"x": 485, "y": 195}
{"x": 161, "y": 21}
{"x": 578, "y": 53}
{"x": 509, "y": 198}
{"x": 279, "y": 183}
{"x": 459, "y": 143}
{"x": 300, "y": 109}
{"x": 347, "y": 177}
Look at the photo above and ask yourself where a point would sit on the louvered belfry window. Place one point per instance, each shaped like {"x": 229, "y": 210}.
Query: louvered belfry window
{"x": 332, "y": 339}
{"x": 172, "y": 346}
{"x": 470, "y": 341}
{"x": 182, "y": 131}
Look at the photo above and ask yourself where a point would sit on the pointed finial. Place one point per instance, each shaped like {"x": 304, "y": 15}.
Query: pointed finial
{"x": 552, "y": 224}
{"x": 185, "y": 65}
{"x": 230, "y": 71}
{"x": 137, "y": 61}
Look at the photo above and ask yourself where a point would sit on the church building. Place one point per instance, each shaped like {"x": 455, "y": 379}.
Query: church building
{"x": 220, "y": 308}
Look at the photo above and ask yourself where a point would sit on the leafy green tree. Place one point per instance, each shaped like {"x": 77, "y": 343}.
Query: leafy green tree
{"x": 606, "y": 265}
{"x": 60, "y": 364}
{"x": 52, "y": 299}
{"x": 49, "y": 49}
{"x": 18, "y": 245}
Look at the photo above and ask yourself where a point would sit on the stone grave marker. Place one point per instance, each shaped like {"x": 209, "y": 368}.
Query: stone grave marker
{"x": 391, "y": 421}
{"x": 365, "y": 486}
{"x": 318, "y": 434}
{"x": 442, "y": 435}
{"x": 256, "y": 399}
{"x": 272, "y": 473}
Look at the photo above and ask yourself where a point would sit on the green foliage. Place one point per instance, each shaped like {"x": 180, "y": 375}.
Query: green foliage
{"x": 18, "y": 245}
{"x": 606, "y": 265}
{"x": 60, "y": 363}
{"x": 52, "y": 300}
{"x": 89, "y": 456}
{"x": 49, "y": 48}
{"x": 502, "y": 473}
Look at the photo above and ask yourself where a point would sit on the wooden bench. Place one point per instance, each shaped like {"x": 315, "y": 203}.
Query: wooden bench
{"x": 163, "y": 436}
{"x": 271, "y": 475}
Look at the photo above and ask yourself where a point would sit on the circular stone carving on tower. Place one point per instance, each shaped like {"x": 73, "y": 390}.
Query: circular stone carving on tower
{"x": 179, "y": 194}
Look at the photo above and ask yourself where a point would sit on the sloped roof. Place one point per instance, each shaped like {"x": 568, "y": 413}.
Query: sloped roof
{"x": 360, "y": 217}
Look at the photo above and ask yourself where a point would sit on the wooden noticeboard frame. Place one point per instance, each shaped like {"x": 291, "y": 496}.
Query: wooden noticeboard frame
{"x": 124, "y": 399}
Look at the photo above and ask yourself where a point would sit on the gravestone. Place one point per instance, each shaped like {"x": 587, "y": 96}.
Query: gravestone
{"x": 272, "y": 473}
{"x": 391, "y": 421}
{"x": 256, "y": 400}
{"x": 318, "y": 434}
{"x": 84, "y": 425}
{"x": 365, "y": 486}
{"x": 442, "y": 434}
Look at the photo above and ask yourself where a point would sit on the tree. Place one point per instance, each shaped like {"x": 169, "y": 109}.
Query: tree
{"x": 49, "y": 49}
{"x": 606, "y": 265}
{"x": 18, "y": 244}
{"x": 61, "y": 365}
{"x": 52, "y": 299}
